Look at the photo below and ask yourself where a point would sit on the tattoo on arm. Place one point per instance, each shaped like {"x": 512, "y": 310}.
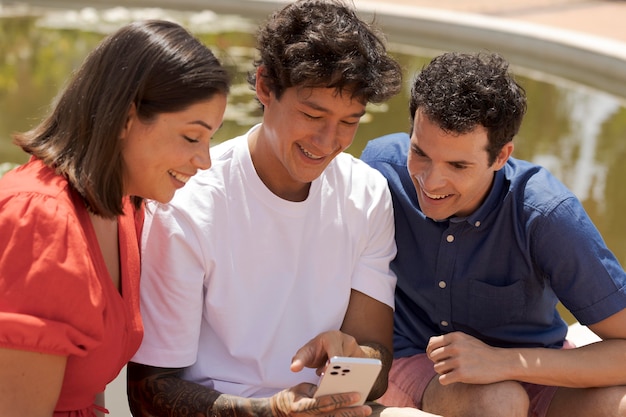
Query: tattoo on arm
{"x": 156, "y": 392}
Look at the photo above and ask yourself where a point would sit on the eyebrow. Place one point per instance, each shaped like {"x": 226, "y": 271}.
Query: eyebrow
{"x": 202, "y": 123}
{"x": 461, "y": 162}
{"x": 317, "y": 107}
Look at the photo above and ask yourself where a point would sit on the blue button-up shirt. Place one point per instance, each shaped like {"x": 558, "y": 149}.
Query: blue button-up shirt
{"x": 498, "y": 273}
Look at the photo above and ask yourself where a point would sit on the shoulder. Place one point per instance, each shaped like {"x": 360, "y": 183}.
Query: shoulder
{"x": 34, "y": 178}
{"x": 35, "y": 192}
{"x": 536, "y": 187}
{"x": 390, "y": 149}
{"x": 355, "y": 172}
{"x": 353, "y": 184}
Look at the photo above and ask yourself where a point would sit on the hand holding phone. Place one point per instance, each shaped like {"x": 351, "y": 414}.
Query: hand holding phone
{"x": 345, "y": 374}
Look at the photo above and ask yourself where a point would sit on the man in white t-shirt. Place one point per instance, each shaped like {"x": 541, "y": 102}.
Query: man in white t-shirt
{"x": 277, "y": 258}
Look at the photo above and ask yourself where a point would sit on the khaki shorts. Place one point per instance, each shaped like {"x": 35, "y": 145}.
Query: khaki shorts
{"x": 410, "y": 376}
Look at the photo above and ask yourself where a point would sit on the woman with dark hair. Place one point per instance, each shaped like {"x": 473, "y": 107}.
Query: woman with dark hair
{"x": 134, "y": 123}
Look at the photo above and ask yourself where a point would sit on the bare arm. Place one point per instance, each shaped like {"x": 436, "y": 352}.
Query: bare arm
{"x": 595, "y": 365}
{"x": 370, "y": 322}
{"x": 366, "y": 332}
{"x": 462, "y": 358}
{"x": 30, "y": 383}
{"x": 161, "y": 392}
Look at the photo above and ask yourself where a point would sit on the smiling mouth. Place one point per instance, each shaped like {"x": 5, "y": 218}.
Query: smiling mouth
{"x": 309, "y": 154}
{"x": 180, "y": 177}
{"x": 436, "y": 196}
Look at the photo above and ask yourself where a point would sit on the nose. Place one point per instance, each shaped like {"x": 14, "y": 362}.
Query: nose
{"x": 327, "y": 138}
{"x": 432, "y": 177}
{"x": 202, "y": 159}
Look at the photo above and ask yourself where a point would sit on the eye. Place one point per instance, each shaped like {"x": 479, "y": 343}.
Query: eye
{"x": 190, "y": 140}
{"x": 458, "y": 166}
{"x": 308, "y": 116}
{"x": 418, "y": 152}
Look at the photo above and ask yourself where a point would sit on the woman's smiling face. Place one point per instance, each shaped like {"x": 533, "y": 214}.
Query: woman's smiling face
{"x": 161, "y": 155}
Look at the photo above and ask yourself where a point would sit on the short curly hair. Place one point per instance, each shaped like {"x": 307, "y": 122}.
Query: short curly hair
{"x": 459, "y": 91}
{"x": 317, "y": 43}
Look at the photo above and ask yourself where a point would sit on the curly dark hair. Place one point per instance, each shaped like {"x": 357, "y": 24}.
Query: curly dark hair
{"x": 459, "y": 91}
{"x": 317, "y": 43}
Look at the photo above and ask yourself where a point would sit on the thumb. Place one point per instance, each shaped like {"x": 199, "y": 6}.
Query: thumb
{"x": 296, "y": 365}
{"x": 303, "y": 357}
{"x": 311, "y": 355}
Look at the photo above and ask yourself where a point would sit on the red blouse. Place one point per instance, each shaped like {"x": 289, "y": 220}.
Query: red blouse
{"x": 56, "y": 295}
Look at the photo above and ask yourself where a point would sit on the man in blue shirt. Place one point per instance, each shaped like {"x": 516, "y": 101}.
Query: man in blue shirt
{"x": 487, "y": 246}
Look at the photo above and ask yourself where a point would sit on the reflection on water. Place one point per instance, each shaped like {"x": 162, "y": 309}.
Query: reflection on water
{"x": 575, "y": 131}
{"x": 587, "y": 174}
{"x": 41, "y": 52}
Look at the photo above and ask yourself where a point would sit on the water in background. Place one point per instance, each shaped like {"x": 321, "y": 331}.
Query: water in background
{"x": 577, "y": 132}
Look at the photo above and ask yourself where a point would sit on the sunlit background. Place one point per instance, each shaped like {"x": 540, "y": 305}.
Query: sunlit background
{"x": 576, "y": 131}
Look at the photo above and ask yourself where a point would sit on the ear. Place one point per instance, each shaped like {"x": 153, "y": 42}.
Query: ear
{"x": 263, "y": 91}
{"x": 503, "y": 156}
{"x": 130, "y": 118}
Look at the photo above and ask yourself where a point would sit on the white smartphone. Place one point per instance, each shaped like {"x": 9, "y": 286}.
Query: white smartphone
{"x": 344, "y": 374}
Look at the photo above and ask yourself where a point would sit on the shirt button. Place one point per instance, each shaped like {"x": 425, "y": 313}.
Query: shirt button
{"x": 442, "y": 284}
{"x": 450, "y": 238}
{"x": 477, "y": 223}
{"x": 444, "y": 323}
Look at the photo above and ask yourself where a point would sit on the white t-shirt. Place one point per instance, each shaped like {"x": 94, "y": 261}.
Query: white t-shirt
{"x": 235, "y": 279}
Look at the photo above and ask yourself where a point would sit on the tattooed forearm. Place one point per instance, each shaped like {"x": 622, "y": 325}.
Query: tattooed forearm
{"x": 160, "y": 392}
{"x": 379, "y": 351}
{"x": 231, "y": 406}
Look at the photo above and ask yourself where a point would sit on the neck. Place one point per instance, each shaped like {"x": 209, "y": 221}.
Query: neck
{"x": 273, "y": 174}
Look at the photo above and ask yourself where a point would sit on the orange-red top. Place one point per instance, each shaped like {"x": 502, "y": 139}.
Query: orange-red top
{"x": 56, "y": 295}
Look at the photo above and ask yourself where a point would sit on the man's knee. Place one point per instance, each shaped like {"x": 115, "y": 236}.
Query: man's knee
{"x": 574, "y": 402}
{"x": 506, "y": 398}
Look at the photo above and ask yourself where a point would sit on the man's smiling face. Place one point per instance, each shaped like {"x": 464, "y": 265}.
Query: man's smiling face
{"x": 304, "y": 130}
{"x": 451, "y": 171}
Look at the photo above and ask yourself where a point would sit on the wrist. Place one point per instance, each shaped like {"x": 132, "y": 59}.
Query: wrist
{"x": 514, "y": 364}
{"x": 274, "y": 406}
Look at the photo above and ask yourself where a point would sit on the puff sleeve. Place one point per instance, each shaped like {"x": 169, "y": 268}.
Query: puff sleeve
{"x": 50, "y": 295}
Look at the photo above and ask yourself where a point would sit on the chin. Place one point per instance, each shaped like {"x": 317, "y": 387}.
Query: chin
{"x": 166, "y": 200}
{"x": 436, "y": 216}
{"x": 163, "y": 198}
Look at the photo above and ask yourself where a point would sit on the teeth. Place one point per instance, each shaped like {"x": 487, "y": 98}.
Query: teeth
{"x": 180, "y": 177}
{"x": 436, "y": 196}
{"x": 309, "y": 154}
